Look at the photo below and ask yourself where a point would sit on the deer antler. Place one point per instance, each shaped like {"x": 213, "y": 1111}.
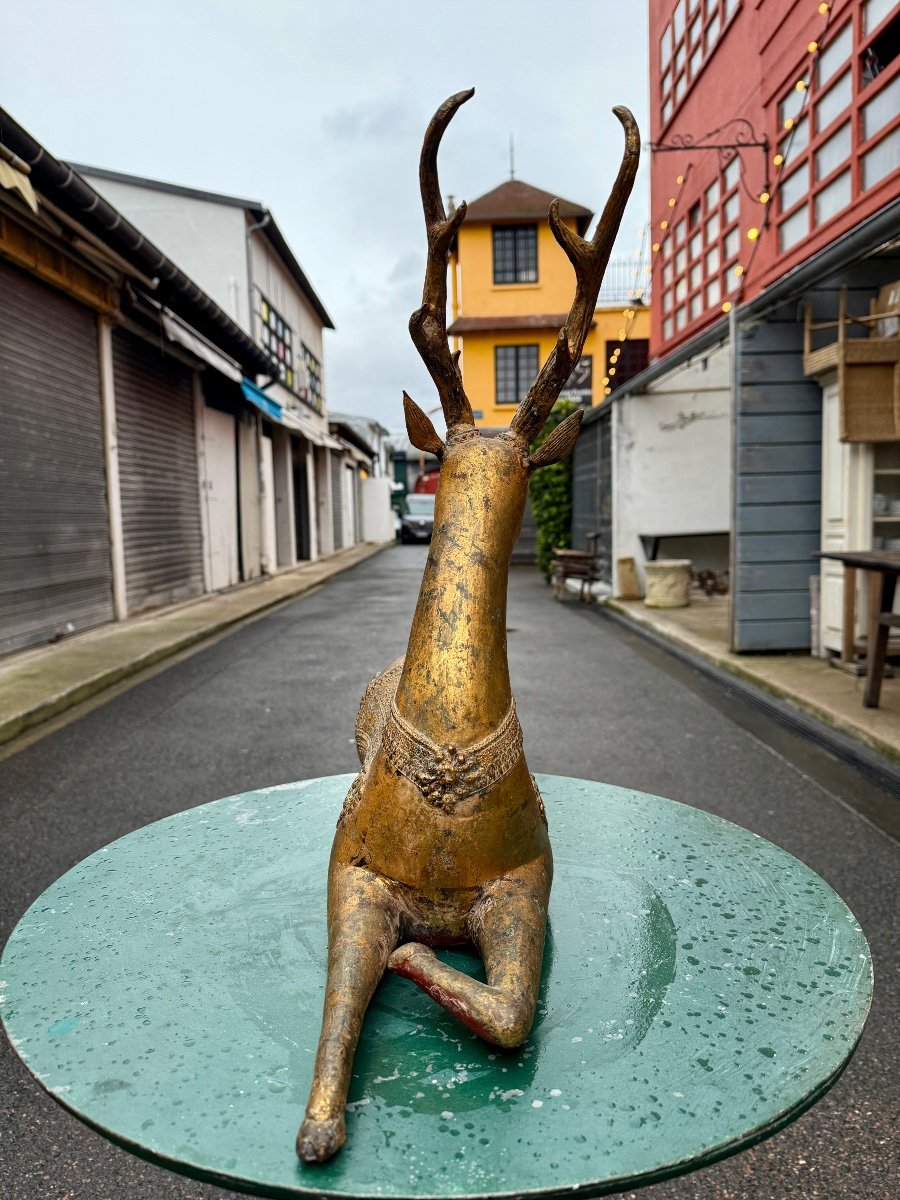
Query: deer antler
{"x": 428, "y": 324}
{"x": 589, "y": 260}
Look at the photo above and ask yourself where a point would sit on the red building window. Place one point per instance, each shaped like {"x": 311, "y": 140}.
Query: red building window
{"x": 687, "y": 42}
{"x": 839, "y": 130}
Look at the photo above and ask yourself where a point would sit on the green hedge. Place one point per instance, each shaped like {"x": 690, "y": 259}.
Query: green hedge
{"x": 550, "y": 489}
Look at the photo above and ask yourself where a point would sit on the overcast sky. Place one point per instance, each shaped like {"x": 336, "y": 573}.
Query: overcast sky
{"x": 316, "y": 108}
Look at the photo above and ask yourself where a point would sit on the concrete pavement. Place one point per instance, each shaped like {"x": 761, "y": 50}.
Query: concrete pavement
{"x": 276, "y": 700}
{"x": 44, "y": 682}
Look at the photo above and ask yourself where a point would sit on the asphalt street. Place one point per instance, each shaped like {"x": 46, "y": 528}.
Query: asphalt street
{"x": 276, "y": 701}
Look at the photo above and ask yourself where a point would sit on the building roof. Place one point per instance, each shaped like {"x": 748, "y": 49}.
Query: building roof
{"x": 71, "y": 195}
{"x": 366, "y": 425}
{"x": 495, "y": 324}
{"x": 516, "y": 200}
{"x": 255, "y": 208}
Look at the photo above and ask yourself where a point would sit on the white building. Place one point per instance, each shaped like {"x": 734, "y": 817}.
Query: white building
{"x": 235, "y": 251}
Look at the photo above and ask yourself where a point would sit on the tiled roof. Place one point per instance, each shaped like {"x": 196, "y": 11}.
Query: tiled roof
{"x": 516, "y": 200}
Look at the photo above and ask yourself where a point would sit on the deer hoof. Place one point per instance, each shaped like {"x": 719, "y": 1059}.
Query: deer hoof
{"x": 406, "y": 958}
{"x": 318, "y": 1141}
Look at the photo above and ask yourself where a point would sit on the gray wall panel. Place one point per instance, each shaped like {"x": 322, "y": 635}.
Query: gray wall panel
{"x": 778, "y": 458}
{"x": 773, "y": 489}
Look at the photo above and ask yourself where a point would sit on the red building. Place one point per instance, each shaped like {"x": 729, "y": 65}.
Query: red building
{"x": 765, "y": 431}
{"x": 819, "y": 87}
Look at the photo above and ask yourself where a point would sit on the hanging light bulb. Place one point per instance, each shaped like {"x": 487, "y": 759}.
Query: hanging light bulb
{"x": 671, "y": 202}
{"x": 679, "y": 179}
{"x": 655, "y": 247}
{"x": 789, "y": 122}
{"x": 824, "y": 9}
{"x": 764, "y": 197}
{"x": 778, "y": 160}
{"x": 664, "y": 224}
{"x": 800, "y": 85}
{"x": 752, "y": 234}
{"x": 812, "y": 47}
{"x": 612, "y": 370}
{"x": 726, "y": 307}
{"x": 739, "y": 270}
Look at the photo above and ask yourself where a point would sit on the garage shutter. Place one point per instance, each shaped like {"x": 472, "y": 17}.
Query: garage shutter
{"x": 162, "y": 532}
{"x": 55, "y": 569}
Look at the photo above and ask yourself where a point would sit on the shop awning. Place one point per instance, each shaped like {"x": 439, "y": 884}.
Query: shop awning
{"x": 263, "y": 402}
{"x": 178, "y": 331}
{"x": 289, "y": 420}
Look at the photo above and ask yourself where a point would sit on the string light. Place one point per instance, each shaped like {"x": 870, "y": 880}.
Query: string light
{"x": 679, "y": 179}
{"x": 739, "y": 270}
{"x": 824, "y": 9}
{"x": 813, "y": 47}
{"x": 621, "y": 335}
{"x": 726, "y": 307}
{"x": 800, "y": 85}
{"x": 764, "y": 197}
{"x": 664, "y": 224}
{"x": 778, "y": 160}
{"x": 607, "y": 391}
{"x": 671, "y": 202}
{"x": 752, "y": 234}
{"x": 655, "y": 247}
{"x": 789, "y": 122}
{"x": 612, "y": 370}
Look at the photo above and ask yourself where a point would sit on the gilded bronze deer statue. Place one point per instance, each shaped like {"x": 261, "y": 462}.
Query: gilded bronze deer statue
{"x": 443, "y": 839}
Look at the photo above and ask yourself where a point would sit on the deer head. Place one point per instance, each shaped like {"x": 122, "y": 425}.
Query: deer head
{"x": 507, "y": 454}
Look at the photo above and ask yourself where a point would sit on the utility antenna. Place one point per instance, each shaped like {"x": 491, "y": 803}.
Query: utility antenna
{"x": 512, "y": 157}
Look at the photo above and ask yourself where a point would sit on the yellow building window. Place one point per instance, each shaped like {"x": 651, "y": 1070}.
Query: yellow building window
{"x": 515, "y": 368}
{"x": 515, "y": 253}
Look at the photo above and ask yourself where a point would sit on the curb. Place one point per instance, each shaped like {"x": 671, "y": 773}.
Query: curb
{"x": 18, "y": 723}
{"x": 879, "y": 767}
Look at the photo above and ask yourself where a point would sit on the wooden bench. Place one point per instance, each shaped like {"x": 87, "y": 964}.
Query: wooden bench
{"x": 576, "y": 564}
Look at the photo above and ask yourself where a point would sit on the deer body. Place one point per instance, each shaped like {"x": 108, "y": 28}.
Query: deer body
{"x": 443, "y": 838}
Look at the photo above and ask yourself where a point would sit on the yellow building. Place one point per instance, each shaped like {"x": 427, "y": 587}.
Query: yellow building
{"x": 512, "y": 287}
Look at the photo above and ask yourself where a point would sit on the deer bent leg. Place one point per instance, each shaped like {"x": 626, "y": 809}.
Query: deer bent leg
{"x": 363, "y": 925}
{"x": 507, "y": 924}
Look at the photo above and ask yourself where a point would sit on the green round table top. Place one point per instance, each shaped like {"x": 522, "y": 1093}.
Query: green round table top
{"x": 701, "y": 988}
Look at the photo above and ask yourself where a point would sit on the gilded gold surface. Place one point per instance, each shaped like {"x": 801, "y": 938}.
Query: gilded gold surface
{"x": 443, "y": 837}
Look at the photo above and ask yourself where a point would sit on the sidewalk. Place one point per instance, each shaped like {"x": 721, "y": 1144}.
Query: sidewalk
{"x": 41, "y": 683}
{"x": 808, "y": 683}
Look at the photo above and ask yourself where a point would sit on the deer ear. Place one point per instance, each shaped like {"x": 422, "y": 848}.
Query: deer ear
{"x": 559, "y": 444}
{"x": 422, "y": 433}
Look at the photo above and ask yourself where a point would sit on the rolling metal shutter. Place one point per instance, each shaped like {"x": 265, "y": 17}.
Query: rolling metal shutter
{"x": 337, "y": 499}
{"x": 162, "y": 532}
{"x": 592, "y": 492}
{"x": 55, "y": 568}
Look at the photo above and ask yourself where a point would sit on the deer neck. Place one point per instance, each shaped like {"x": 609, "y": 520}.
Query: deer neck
{"x": 455, "y": 683}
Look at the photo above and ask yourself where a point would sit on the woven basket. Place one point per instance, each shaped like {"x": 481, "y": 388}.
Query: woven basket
{"x": 870, "y": 402}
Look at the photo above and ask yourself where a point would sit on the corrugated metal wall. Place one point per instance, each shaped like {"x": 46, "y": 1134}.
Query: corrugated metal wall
{"x": 55, "y": 569}
{"x": 161, "y": 524}
{"x": 592, "y": 491}
{"x": 337, "y": 498}
{"x": 777, "y": 493}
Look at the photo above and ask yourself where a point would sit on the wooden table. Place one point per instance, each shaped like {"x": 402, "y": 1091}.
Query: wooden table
{"x": 701, "y": 989}
{"x": 884, "y": 566}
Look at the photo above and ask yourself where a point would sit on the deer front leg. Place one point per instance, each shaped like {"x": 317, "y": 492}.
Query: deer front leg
{"x": 507, "y": 924}
{"x": 363, "y": 925}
